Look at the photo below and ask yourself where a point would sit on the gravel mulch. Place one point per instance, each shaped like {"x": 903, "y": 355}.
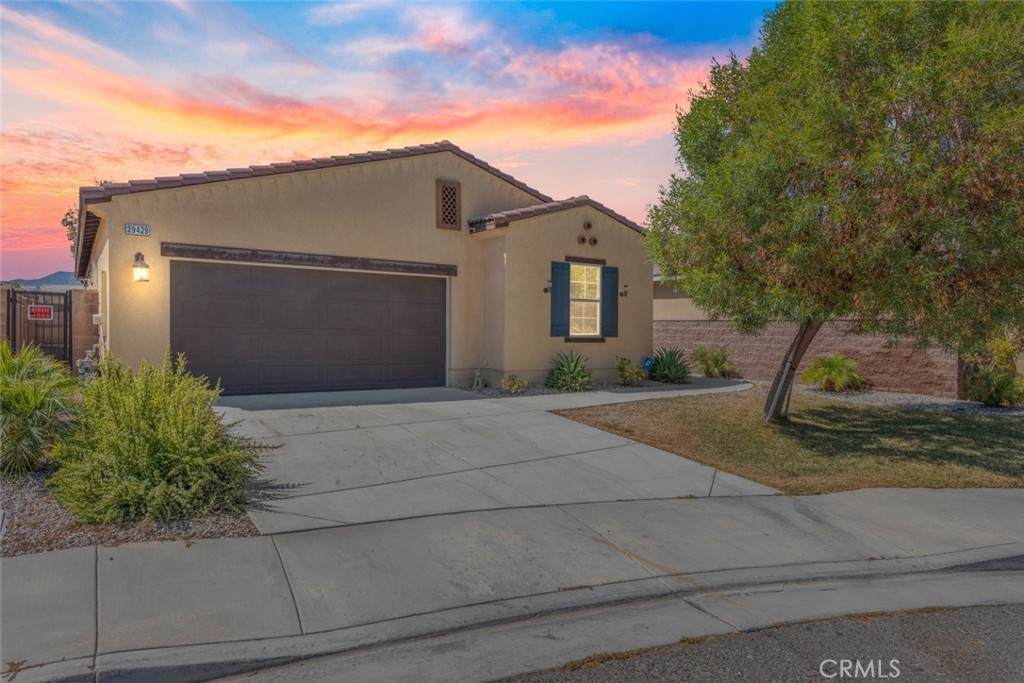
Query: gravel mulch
{"x": 541, "y": 390}
{"x": 907, "y": 401}
{"x": 35, "y": 522}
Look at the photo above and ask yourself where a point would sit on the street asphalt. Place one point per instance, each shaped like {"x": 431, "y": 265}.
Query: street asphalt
{"x": 534, "y": 539}
{"x": 966, "y": 645}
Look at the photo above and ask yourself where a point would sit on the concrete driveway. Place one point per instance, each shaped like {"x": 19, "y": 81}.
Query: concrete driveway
{"x": 417, "y": 453}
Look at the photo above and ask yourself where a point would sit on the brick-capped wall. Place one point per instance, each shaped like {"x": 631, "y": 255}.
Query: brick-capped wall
{"x": 901, "y": 368}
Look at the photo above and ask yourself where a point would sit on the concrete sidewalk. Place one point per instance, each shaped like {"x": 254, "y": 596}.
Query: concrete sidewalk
{"x": 193, "y": 611}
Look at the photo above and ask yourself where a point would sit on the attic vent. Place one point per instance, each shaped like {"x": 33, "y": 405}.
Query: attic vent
{"x": 449, "y": 205}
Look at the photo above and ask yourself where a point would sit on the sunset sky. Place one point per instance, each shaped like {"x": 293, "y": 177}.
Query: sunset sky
{"x": 569, "y": 97}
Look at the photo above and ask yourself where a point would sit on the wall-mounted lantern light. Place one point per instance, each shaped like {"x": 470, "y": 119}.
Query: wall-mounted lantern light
{"x": 547, "y": 290}
{"x": 140, "y": 269}
{"x": 625, "y": 290}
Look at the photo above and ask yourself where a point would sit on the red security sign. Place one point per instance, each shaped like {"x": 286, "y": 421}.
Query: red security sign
{"x": 40, "y": 312}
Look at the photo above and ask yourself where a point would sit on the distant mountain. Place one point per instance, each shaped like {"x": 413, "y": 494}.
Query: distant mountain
{"x": 62, "y": 278}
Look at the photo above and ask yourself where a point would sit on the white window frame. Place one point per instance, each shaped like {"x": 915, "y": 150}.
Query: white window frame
{"x": 572, "y": 267}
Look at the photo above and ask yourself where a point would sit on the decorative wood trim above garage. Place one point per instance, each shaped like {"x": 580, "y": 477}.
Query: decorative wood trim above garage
{"x": 292, "y": 258}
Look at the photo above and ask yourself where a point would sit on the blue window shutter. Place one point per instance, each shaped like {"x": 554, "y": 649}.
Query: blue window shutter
{"x": 609, "y": 301}
{"x": 559, "y": 299}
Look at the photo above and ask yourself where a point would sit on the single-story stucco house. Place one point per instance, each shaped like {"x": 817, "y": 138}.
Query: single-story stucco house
{"x": 404, "y": 268}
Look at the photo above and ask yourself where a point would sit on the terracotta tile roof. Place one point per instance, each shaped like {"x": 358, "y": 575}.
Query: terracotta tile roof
{"x": 503, "y": 218}
{"x": 89, "y": 222}
{"x": 102, "y": 193}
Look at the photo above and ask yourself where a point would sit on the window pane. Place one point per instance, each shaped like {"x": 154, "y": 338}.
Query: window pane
{"x": 584, "y": 281}
{"x": 583, "y": 318}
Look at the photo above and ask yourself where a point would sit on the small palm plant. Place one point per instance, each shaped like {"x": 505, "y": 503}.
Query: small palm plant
{"x": 670, "y": 366}
{"x": 714, "y": 363}
{"x": 570, "y": 373}
{"x": 834, "y": 373}
{"x": 37, "y": 404}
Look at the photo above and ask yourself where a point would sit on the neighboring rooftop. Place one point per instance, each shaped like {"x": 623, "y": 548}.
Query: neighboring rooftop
{"x": 502, "y": 218}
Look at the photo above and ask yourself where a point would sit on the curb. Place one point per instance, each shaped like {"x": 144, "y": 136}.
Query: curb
{"x": 194, "y": 663}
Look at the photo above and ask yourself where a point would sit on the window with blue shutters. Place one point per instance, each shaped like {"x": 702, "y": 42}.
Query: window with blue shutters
{"x": 584, "y": 300}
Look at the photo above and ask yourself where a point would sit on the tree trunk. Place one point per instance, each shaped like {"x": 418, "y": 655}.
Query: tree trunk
{"x": 777, "y": 404}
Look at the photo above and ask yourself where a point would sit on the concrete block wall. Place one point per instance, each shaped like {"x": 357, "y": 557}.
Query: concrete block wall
{"x": 901, "y": 368}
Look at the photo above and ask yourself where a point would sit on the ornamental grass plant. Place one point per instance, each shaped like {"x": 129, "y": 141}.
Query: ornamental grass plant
{"x": 151, "y": 448}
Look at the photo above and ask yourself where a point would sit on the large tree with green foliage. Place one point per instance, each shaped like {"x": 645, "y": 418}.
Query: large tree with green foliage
{"x": 865, "y": 163}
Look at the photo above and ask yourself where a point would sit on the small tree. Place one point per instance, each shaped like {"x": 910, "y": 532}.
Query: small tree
{"x": 70, "y": 224}
{"x": 865, "y": 163}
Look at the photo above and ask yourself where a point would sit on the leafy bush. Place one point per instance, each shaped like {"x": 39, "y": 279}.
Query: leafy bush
{"x": 995, "y": 386}
{"x": 511, "y": 384}
{"x": 37, "y": 404}
{"x": 152, "y": 448}
{"x": 834, "y": 373}
{"x": 570, "y": 373}
{"x": 629, "y": 375}
{"x": 714, "y": 363}
{"x": 670, "y": 366}
{"x": 1001, "y": 352}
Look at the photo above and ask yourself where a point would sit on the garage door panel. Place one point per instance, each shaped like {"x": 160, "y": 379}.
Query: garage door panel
{"x": 209, "y": 345}
{"x": 240, "y": 376}
{"x": 413, "y": 374}
{"x": 289, "y": 282}
{"x": 278, "y": 313}
{"x": 299, "y": 346}
{"x": 269, "y": 329}
{"x": 416, "y": 289}
{"x": 193, "y": 276}
{"x": 356, "y": 315}
{"x": 367, "y": 376}
{"x": 417, "y": 347}
{"x": 414, "y": 316}
{"x": 218, "y": 311}
{"x": 290, "y": 375}
{"x": 357, "y": 346}
{"x": 357, "y": 286}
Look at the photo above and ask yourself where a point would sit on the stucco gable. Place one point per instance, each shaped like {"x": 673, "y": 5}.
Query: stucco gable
{"x": 504, "y": 218}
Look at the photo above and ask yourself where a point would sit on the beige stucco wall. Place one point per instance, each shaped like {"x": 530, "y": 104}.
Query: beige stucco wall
{"x": 670, "y": 304}
{"x": 531, "y": 246}
{"x": 382, "y": 209}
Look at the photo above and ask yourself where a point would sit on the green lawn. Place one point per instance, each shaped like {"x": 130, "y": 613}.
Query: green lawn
{"x": 826, "y": 445}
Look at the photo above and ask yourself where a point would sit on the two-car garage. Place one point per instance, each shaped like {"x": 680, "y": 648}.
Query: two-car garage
{"x": 263, "y": 329}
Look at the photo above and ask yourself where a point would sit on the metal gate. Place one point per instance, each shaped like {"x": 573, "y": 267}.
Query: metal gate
{"x": 40, "y": 318}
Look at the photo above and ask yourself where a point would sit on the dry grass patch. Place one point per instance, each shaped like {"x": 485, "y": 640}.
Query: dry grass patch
{"x": 826, "y": 445}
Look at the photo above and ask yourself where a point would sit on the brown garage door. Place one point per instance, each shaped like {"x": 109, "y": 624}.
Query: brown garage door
{"x": 261, "y": 329}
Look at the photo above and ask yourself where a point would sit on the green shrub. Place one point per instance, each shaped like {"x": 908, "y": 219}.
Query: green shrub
{"x": 714, "y": 363}
{"x": 994, "y": 386}
{"x": 152, "y": 448}
{"x": 570, "y": 373}
{"x": 670, "y": 366}
{"x": 629, "y": 375}
{"x": 1001, "y": 352}
{"x": 834, "y": 373}
{"x": 511, "y": 384}
{"x": 37, "y": 404}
